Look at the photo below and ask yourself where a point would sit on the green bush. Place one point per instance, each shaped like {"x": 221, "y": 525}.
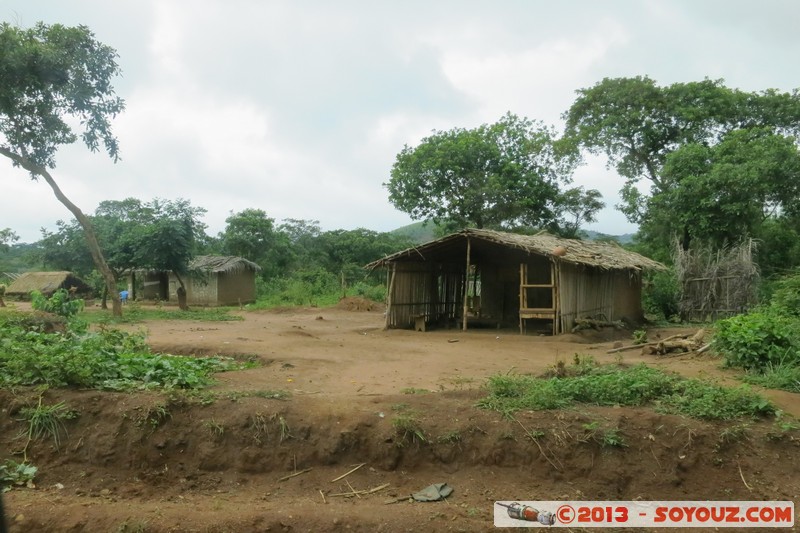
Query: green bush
{"x": 661, "y": 294}
{"x": 786, "y": 296}
{"x": 759, "y": 339}
{"x": 60, "y": 303}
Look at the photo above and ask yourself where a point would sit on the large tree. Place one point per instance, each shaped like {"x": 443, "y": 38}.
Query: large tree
{"x": 637, "y": 124}
{"x": 54, "y": 78}
{"x": 252, "y": 234}
{"x": 503, "y": 175}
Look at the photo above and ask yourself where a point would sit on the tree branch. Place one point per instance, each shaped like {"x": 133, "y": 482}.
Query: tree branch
{"x": 91, "y": 238}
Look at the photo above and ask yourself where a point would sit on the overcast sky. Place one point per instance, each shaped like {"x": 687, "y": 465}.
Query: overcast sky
{"x": 300, "y": 107}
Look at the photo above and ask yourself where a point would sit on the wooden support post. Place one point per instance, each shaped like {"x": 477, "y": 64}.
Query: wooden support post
{"x": 387, "y": 319}
{"x": 522, "y": 303}
{"x": 466, "y": 288}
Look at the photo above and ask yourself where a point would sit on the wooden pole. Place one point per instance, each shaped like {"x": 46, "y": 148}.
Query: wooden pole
{"x": 387, "y": 319}
{"x": 466, "y": 288}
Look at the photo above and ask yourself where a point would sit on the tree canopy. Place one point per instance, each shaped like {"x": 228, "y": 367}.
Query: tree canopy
{"x": 720, "y": 161}
{"x": 503, "y": 175}
{"x": 56, "y": 77}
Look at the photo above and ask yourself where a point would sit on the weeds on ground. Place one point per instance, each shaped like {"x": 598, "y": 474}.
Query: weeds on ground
{"x": 216, "y": 429}
{"x": 605, "y": 437}
{"x": 414, "y": 390}
{"x": 408, "y": 429}
{"x": 14, "y": 474}
{"x": 783, "y": 377}
{"x": 134, "y": 314}
{"x": 45, "y": 421}
{"x": 633, "y": 386}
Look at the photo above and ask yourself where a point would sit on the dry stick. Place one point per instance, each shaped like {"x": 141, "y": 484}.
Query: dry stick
{"x": 354, "y": 490}
{"x": 376, "y": 489}
{"x": 528, "y": 433}
{"x": 348, "y": 473}
{"x": 704, "y": 348}
{"x": 323, "y": 496}
{"x": 284, "y": 478}
{"x": 742, "y": 476}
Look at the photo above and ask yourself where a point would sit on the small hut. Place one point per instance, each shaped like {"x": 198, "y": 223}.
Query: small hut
{"x": 47, "y": 283}
{"x": 483, "y": 277}
{"x": 212, "y": 280}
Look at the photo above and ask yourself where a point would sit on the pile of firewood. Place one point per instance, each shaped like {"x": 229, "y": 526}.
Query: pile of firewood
{"x": 685, "y": 342}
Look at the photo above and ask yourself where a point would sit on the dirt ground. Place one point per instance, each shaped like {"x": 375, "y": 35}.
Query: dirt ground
{"x": 215, "y": 461}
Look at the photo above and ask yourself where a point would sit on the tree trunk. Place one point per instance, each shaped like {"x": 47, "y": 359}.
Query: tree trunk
{"x": 83, "y": 220}
{"x": 181, "y": 292}
{"x": 104, "y": 299}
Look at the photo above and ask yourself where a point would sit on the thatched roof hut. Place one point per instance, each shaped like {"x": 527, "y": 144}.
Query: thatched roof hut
{"x": 212, "y": 280}
{"x": 484, "y": 276}
{"x": 222, "y": 263}
{"x": 47, "y": 283}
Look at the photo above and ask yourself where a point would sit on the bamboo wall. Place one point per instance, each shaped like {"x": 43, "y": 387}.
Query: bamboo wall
{"x": 591, "y": 292}
{"x": 435, "y": 291}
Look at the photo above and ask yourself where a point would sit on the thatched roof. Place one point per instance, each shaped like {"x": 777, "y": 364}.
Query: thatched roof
{"x": 45, "y": 282}
{"x": 222, "y": 263}
{"x": 607, "y": 256}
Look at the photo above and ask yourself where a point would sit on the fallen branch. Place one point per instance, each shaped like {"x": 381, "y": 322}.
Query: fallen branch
{"x": 634, "y": 346}
{"x": 348, "y": 473}
{"x": 323, "y": 496}
{"x": 284, "y": 478}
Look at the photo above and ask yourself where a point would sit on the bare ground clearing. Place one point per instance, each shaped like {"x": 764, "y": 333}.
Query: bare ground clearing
{"x": 152, "y": 462}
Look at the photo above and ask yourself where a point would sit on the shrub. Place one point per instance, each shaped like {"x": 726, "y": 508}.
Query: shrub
{"x": 758, "y": 339}
{"x": 60, "y": 303}
{"x": 786, "y": 296}
{"x": 661, "y": 295}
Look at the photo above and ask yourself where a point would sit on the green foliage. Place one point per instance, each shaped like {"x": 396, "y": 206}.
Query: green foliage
{"x": 634, "y": 386}
{"x": 408, "y": 429}
{"x": 506, "y": 174}
{"x": 16, "y": 474}
{"x": 786, "y": 296}
{"x": 55, "y": 77}
{"x": 252, "y": 234}
{"x": 105, "y": 359}
{"x": 136, "y": 313}
{"x": 46, "y": 421}
{"x": 759, "y": 339}
{"x": 701, "y": 399}
{"x": 661, "y": 293}
{"x": 782, "y": 376}
{"x": 60, "y": 303}
{"x": 640, "y": 336}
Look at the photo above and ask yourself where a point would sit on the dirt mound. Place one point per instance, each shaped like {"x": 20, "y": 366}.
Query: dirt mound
{"x": 355, "y": 303}
{"x": 183, "y": 463}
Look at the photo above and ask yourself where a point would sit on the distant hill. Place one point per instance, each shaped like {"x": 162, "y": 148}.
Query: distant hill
{"x": 420, "y": 233}
{"x": 625, "y": 238}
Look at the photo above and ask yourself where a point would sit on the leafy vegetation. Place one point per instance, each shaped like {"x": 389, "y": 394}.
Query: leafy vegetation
{"x": 105, "y": 359}
{"x": 766, "y": 341}
{"x": 634, "y": 386}
{"x": 16, "y": 474}
{"x": 60, "y": 303}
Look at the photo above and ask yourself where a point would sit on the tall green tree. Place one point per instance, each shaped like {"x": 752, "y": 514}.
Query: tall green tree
{"x": 252, "y": 234}
{"x": 54, "y": 77}
{"x": 501, "y": 175}
{"x": 637, "y": 124}
{"x": 720, "y": 162}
